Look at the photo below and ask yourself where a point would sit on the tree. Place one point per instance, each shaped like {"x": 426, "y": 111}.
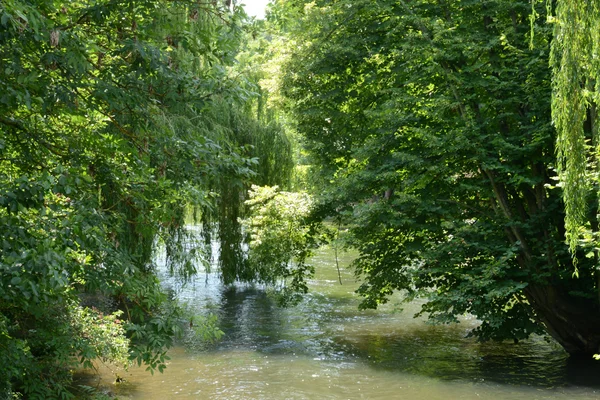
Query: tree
{"x": 574, "y": 112}
{"x": 112, "y": 127}
{"x": 281, "y": 239}
{"x": 255, "y": 130}
{"x": 431, "y": 120}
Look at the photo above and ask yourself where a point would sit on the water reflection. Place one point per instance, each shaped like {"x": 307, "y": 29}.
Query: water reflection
{"x": 443, "y": 353}
{"x": 249, "y": 318}
{"x": 330, "y": 328}
{"x": 325, "y": 348}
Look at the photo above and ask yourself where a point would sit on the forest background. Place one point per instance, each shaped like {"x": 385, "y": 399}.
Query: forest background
{"x": 426, "y": 129}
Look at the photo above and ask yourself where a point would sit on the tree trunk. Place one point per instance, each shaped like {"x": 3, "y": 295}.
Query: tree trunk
{"x": 574, "y": 322}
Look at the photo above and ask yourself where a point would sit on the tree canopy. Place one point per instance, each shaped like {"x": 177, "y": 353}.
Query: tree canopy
{"x": 428, "y": 126}
{"x": 575, "y": 96}
{"x": 431, "y": 124}
{"x": 118, "y": 118}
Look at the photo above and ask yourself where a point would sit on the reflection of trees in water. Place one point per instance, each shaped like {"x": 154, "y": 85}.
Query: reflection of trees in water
{"x": 444, "y": 353}
{"x": 249, "y": 318}
{"x": 252, "y": 320}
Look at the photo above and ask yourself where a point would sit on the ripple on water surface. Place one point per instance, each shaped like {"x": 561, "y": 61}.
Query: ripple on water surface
{"x": 326, "y": 349}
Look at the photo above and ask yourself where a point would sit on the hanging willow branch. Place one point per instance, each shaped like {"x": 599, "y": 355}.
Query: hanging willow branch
{"x": 575, "y": 66}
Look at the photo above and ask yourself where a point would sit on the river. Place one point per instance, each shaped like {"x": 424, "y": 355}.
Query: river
{"x": 325, "y": 348}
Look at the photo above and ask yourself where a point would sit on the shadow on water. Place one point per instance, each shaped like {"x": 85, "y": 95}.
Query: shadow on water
{"x": 252, "y": 321}
{"x": 327, "y": 326}
{"x": 326, "y": 348}
{"x": 583, "y": 372}
{"x": 249, "y": 318}
{"x": 443, "y": 352}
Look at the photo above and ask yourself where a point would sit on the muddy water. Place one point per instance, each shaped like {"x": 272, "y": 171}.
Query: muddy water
{"x": 326, "y": 349}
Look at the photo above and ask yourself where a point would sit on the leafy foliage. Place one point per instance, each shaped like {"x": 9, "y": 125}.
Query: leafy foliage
{"x": 281, "y": 239}
{"x": 264, "y": 158}
{"x": 575, "y": 94}
{"x": 430, "y": 124}
{"x": 204, "y": 331}
{"x": 117, "y": 117}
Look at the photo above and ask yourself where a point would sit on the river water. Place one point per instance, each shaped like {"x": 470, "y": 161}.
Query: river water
{"x": 325, "y": 348}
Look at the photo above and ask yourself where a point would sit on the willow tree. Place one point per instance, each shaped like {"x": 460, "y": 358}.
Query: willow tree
{"x": 432, "y": 123}
{"x": 576, "y": 90}
{"x": 110, "y": 129}
{"x": 264, "y": 158}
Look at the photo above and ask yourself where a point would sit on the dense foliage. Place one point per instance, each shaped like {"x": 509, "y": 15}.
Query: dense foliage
{"x": 427, "y": 125}
{"x": 117, "y": 117}
{"x": 576, "y": 91}
{"x": 281, "y": 239}
{"x": 430, "y": 122}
